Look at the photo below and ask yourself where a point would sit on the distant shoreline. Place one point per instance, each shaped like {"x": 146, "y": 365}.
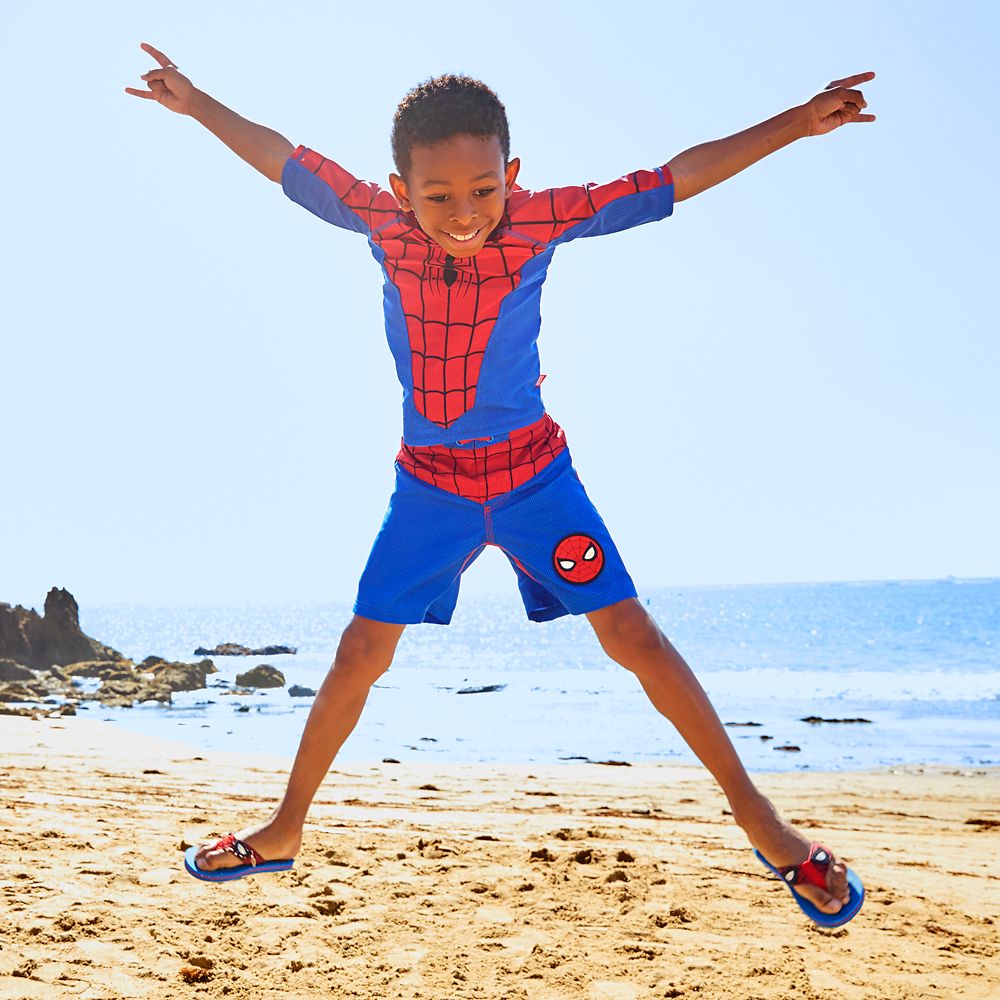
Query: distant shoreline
{"x": 510, "y": 593}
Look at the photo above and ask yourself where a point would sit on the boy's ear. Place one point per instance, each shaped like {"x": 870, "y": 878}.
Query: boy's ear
{"x": 510, "y": 174}
{"x": 402, "y": 192}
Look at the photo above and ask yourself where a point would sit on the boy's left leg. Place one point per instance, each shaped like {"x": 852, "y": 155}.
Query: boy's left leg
{"x": 631, "y": 637}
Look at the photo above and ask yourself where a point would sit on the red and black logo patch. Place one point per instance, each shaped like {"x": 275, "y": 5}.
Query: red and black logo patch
{"x": 578, "y": 559}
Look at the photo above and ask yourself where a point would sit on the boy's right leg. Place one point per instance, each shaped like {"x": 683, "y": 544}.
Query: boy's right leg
{"x": 364, "y": 654}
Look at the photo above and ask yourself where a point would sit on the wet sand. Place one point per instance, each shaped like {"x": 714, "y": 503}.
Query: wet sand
{"x": 448, "y": 882}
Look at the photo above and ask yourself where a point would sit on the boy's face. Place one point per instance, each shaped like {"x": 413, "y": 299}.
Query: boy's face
{"x": 458, "y": 190}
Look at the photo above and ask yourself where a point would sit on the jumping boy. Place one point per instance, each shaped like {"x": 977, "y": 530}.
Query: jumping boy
{"x": 464, "y": 252}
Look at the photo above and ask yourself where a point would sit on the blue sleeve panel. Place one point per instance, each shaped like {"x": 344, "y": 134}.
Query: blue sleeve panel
{"x": 318, "y": 197}
{"x": 624, "y": 212}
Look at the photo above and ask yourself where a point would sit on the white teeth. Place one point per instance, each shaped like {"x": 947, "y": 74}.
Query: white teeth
{"x": 463, "y": 239}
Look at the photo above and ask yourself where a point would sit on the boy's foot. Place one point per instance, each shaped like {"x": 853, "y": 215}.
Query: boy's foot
{"x": 267, "y": 839}
{"x": 782, "y": 844}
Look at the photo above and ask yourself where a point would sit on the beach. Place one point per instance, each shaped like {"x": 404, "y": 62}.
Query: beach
{"x": 447, "y": 881}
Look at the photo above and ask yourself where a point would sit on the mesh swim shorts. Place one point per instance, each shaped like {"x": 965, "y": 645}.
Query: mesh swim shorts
{"x": 557, "y": 543}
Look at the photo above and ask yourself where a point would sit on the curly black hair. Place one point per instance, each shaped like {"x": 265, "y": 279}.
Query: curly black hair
{"x": 446, "y": 106}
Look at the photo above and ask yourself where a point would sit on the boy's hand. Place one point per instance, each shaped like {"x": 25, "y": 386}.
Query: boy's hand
{"x": 837, "y": 105}
{"x": 166, "y": 85}
{"x": 263, "y": 148}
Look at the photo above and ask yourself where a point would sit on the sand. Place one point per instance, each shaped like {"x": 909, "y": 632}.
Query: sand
{"x": 444, "y": 881}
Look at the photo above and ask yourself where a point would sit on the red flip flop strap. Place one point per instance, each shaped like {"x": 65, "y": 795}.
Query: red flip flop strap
{"x": 240, "y": 848}
{"x": 814, "y": 869}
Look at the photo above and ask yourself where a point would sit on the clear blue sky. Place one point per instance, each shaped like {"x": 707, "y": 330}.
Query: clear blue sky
{"x": 793, "y": 378}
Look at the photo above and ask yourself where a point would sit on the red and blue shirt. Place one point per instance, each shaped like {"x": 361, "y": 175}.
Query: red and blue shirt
{"x": 464, "y": 331}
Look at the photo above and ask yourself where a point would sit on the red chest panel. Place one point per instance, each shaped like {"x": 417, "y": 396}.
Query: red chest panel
{"x": 450, "y": 308}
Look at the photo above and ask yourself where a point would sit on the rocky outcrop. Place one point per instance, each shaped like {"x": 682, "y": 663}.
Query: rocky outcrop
{"x": 39, "y": 686}
{"x": 815, "y": 720}
{"x": 30, "y": 689}
{"x": 121, "y": 686}
{"x": 101, "y": 669}
{"x": 38, "y": 641}
{"x": 118, "y": 689}
{"x": 11, "y": 671}
{"x": 38, "y": 713}
{"x": 298, "y": 691}
{"x": 39, "y": 656}
{"x": 235, "y": 649}
{"x": 485, "y": 689}
{"x": 263, "y": 676}
{"x": 123, "y": 692}
{"x": 155, "y": 680}
{"x": 180, "y": 676}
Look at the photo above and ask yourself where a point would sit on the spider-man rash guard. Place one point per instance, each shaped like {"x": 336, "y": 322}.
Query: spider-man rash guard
{"x": 464, "y": 331}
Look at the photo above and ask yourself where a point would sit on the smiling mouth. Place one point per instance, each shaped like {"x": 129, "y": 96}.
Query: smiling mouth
{"x": 462, "y": 239}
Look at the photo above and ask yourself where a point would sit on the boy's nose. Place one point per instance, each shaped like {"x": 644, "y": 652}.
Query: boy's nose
{"x": 463, "y": 214}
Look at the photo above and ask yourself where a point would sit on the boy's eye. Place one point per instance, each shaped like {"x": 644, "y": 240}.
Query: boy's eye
{"x": 437, "y": 197}
{"x": 485, "y": 192}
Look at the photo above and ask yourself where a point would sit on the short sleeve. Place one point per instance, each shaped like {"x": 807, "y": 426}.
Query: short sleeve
{"x": 328, "y": 191}
{"x": 559, "y": 215}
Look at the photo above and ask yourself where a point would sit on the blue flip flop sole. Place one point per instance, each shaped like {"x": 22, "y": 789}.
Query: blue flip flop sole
{"x": 847, "y": 912}
{"x": 230, "y": 874}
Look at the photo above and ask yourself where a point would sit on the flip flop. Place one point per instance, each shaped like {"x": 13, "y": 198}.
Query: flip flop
{"x": 255, "y": 863}
{"x": 813, "y": 870}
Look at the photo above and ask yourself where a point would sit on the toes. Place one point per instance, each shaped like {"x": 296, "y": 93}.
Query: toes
{"x": 823, "y": 900}
{"x": 830, "y": 904}
{"x": 215, "y": 859}
{"x": 208, "y": 859}
{"x": 202, "y": 860}
{"x": 837, "y": 881}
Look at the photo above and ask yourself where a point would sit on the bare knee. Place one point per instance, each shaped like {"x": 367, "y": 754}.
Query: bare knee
{"x": 366, "y": 650}
{"x": 629, "y": 635}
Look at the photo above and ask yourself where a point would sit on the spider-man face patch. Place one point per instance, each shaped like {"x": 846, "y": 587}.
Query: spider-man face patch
{"x": 578, "y": 559}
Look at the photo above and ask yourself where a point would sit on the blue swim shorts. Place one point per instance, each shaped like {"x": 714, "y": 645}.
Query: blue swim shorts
{"x": 563, "y": 555}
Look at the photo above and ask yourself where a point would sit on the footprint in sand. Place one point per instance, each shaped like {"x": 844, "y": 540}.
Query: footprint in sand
{"x": 158, "y": 876}
{"x": 605, "y": 989}
{"x": 493, "y": 915}
{"x": 405, "y": 956}
{"x": 523, "y": 945}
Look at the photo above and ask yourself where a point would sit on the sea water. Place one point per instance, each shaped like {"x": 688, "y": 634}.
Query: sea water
{"x": 919, "y": 660}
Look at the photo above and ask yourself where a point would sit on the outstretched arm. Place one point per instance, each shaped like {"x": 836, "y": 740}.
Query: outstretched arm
{"x": 263, "y": 148}
{"x": 701, "y": 167}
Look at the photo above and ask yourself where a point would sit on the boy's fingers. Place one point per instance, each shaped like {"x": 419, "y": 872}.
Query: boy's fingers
{"x": 851, "y": 81}
{"x": 148, "y": 94}
{"x": 853, "y": 97}
{"x": 846, "y": 115}
{"x": 156, "y": 54}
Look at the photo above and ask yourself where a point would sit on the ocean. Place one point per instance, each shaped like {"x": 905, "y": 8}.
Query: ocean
{"x": 920, "y": 660}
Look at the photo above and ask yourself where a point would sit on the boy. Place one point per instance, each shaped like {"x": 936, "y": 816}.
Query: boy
{"x": 464, "y": 252}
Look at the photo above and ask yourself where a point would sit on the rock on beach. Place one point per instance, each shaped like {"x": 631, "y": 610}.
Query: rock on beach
{"x": 262, "y": 676}
{"x": 41, "y": 654}
{"x": 181, "y": 676}
{"x": 235, "y": 649}
{"x": 38, "y": 641}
